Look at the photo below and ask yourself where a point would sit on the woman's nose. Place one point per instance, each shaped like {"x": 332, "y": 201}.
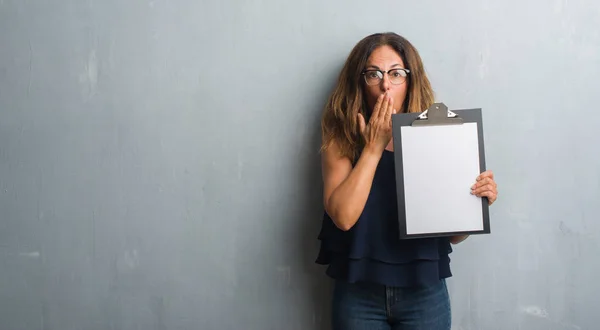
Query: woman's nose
{"x": 385, "y": 83}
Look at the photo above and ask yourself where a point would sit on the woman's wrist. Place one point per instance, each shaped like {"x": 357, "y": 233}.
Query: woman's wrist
{"x": 373, "y": 150}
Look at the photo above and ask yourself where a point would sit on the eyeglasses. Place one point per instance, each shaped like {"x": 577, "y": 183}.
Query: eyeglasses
{"x": 374, "y": 77}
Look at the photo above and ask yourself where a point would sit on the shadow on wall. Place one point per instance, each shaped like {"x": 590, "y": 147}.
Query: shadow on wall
{"x": 311, "y": 204}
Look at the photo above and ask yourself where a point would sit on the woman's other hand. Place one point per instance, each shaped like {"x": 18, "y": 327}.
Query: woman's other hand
{"x": 485, "y": 186}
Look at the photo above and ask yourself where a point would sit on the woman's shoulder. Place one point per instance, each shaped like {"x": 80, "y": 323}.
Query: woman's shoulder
{"x": 333, "y": 151}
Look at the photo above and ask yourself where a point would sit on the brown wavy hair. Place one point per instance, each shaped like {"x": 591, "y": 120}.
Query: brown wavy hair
{"x": 339, "y": 122}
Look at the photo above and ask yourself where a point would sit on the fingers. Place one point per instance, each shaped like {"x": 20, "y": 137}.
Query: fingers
{"x": 491, "y": 197}
{"x": 381, "y": 114}
{"x": 361, "y": 123}
{"x": 483, "y": 182}
{"x": 484, "y": 189}
{"x": 377, "y": 107}
{"x": 486, "y": 174}
{"x": 485, "y": 186}
{"x": 389, "y": 111}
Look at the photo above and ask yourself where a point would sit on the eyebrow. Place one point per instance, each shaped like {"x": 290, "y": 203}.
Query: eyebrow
{"x": 376, "y": 67}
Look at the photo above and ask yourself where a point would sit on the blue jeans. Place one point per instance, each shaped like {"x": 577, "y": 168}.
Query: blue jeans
{"x": 358, "y": 306}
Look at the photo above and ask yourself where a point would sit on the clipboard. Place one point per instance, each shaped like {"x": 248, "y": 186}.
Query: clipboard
{"x": 438, "y": 154}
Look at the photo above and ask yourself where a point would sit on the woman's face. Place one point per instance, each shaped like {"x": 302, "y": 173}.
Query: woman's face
{"x": 385, "y": 58}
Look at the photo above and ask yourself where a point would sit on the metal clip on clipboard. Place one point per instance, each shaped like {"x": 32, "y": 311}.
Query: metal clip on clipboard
{"x": 437, "y": 114}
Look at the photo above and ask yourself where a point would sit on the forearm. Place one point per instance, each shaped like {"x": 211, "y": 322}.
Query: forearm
{"x": 348, "y": 200}
{"x": 458, "y": 239}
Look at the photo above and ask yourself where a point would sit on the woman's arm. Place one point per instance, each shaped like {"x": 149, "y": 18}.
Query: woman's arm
{"x": 345, "y": 188}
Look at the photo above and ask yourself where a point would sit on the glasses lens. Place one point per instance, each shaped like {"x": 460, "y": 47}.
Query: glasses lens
{"x": 397, "y": 76}
{"x": 373, "y": 77}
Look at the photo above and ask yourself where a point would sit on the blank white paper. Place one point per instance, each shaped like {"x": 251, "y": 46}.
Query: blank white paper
{"x": 441, "y": 164}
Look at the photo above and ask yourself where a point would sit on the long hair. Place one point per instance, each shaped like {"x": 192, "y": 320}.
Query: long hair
{"x": 339, "y": 122}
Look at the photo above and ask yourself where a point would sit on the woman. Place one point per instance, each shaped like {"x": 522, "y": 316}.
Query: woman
{"x": 381, "y": 282}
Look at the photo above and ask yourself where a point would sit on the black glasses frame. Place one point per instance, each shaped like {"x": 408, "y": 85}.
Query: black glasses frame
{"x": 383, "y": 73}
